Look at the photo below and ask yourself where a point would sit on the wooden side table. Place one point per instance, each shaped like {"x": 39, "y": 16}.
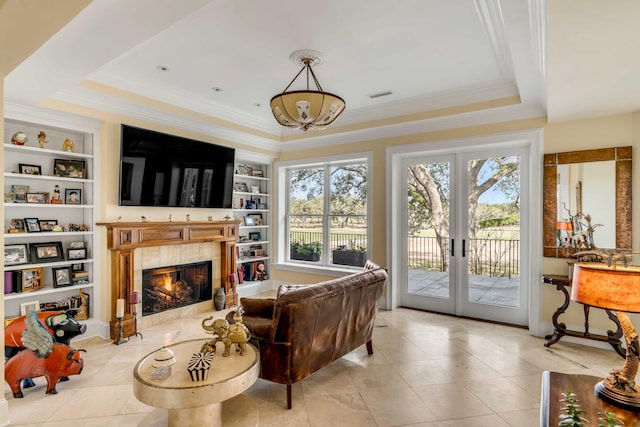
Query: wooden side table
{"x": 551, "y": 407}
{"x": 563, "y": 284}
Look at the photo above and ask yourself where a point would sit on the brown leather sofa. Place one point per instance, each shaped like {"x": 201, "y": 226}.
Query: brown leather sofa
{"x": 307, "y": 327}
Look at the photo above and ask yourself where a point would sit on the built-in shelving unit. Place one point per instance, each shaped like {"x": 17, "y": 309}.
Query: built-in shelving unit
{"x": 46, "y": 228}
{"x": 252, "y": 205}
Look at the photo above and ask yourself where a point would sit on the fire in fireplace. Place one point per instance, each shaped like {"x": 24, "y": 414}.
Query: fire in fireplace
{"x": 167, "y": 288}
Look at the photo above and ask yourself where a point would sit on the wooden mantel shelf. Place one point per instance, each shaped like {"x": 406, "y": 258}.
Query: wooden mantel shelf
{"x": 132, "y": 235}
{"x": 124, "y": 237}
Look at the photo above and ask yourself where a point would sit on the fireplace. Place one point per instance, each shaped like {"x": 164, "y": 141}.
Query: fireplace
{"x": 167, "y": 288}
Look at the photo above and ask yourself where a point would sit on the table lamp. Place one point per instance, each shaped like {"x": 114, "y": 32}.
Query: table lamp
{"x": 614, "y": 288}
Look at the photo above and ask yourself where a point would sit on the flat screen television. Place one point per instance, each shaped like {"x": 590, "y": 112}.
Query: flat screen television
{"x": 157, "y": 169}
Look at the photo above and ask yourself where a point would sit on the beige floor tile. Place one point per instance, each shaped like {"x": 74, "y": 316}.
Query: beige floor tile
{"x": 426, "y": 370}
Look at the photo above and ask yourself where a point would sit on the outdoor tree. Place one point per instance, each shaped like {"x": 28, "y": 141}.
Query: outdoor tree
{"x": 429, "y": 195}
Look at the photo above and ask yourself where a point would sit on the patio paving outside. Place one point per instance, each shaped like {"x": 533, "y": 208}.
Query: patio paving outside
{"x": 501, "y": 291}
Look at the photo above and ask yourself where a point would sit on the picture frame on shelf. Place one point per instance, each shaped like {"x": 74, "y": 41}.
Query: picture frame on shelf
{"x": 255, "y": 236}
{"x": 47, "y": 224}
{"x": 255, "y": 189}
{"x": 70, "y": 168}
{"x": 46, "y": 252}
{"x": 78, "y": 253}
{"x": 244, "y": 170}
{"x": 77, "y": 267}
{"x": 32, "y": 279}
{"x": 18, "y": 226}
{"x": 32, "y": 225}
{"x": 249, "y": 221}
{"x": 16, "y": 254}
{"x": 257, "y": 173}
{"x": 26, "y": 169}
{"x": 241, "y": 187}
{"x": 257, "y": 218}
{"x": 77, "y": 245}
{"x": 38, "y": 198}
{"x": 73, "y": 196}
{"x": 262, "y": 206}
{"x": 61, "y": 276}
{"x": 29, "y": 306}
{"x": 19, "y": 193}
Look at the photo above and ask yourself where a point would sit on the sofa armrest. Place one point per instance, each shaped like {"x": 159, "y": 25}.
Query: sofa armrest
{"x": 262, "y": 307}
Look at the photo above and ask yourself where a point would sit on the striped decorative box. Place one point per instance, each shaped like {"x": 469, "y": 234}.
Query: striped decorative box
{"x": 199, "y": 366}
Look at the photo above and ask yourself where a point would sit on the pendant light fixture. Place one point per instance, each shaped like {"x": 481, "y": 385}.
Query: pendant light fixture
{"x": 306, "y": 109}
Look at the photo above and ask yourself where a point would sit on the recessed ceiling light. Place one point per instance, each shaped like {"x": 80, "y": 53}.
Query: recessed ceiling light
{"x": 163, "y": 68}
{"x": 216, "y": 89}
{"x": 257, "y": 104}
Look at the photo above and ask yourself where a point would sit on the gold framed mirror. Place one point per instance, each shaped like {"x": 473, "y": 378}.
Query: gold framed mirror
{"x": 620, "y": 190}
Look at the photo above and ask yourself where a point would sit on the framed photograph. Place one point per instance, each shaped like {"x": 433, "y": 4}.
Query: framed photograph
{"x": 244, "y": 170}
{"x": 72, "y": 196}
{"x": 77, "y": 267}
{"x": 61, "y": 276}
{"x": 32, "y": 279}
{"x": 70, "y": 168}
{"x": 33, "y": 225}
{"x": 257, "y": 236}
{"x": 242, "y": 187}
{"x": 255, "y": 189}
{"x": 262, "y": 206}
{"x": 16, "y": 254}
{"x": 37, "y": 198}
{"x": 249, "y": 221}
{"x": 257, "y": 172}
{"x": 47, "y": 224}
{"x": 30, "y": 169}
{"x": 29, "y": 306}
{"x": 80, "y": 253}
{"x": 76, "y": 245}
{"x": 19, "y": 193}
{"x": 257, "y": 218}
{"x": 17, "y": 224}
{"x": 46, "y": 252}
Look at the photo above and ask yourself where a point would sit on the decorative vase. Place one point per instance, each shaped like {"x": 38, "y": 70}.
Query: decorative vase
{"x": 219, "y": 299}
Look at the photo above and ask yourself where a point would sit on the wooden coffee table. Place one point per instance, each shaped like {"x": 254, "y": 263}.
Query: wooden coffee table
{"x": 555, "y": 383}
{"x": 196, "y": 402}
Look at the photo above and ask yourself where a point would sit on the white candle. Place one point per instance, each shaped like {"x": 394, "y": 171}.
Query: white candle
{"x": 120, "y": 308}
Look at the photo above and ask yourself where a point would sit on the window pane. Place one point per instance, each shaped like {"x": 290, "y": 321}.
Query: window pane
{"x": 305, "y": 237}
{"x": 307, "y": 191}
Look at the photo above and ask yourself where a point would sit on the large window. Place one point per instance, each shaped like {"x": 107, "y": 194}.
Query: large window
{"x": 326, "y": 213}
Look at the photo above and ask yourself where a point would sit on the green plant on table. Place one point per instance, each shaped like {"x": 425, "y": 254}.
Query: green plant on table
{"x": 610, "y": 419}
{"x": 572, "y": 416}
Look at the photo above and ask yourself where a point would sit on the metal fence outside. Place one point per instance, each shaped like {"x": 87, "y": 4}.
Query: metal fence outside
{"x": 487, "y": 257}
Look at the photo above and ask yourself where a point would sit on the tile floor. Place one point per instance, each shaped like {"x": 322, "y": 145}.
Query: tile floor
{"x": 427, "y": 370}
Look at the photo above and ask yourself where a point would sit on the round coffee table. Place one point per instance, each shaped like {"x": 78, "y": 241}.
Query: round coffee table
{"x": 196, "y": 402}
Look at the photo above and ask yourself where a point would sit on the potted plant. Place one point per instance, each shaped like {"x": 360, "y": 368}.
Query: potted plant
{"x": 306, "y": 251}
{"x": 350, "y": 255}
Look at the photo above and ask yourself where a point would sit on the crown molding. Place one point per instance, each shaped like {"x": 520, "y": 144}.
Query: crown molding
{"x": 496, "y": 115}
{"x": 493, "y": 22}
{"x": 102, "y": 102}
{"x": 15, "y": 111}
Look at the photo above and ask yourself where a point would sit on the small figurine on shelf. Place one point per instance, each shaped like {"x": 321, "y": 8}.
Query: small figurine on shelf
{"x": 42, "y": 139}
{"x": 56, "y": 199}
{"x": 68, "y": 146}
{"x": 209, "y": 218}
{"x": 143, "y": 218}
{"x": 261, "y": 273}
{"x": 188, "y": 218}
{"x": 170, "y": 219}
{"x": 19, "y": 138}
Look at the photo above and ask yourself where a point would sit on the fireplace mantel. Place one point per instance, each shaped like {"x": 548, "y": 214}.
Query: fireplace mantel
{"x": 124, "y": 237}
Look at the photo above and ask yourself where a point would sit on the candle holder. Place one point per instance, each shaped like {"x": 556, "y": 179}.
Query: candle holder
{"x": 134, "y": 299}
{"x": 120, "y": 339}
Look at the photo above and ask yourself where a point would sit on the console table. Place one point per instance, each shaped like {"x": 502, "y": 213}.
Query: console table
{"x": 196, "y": 403}
{"x": 563, "y": 284}
{"x": 555, "y": 383}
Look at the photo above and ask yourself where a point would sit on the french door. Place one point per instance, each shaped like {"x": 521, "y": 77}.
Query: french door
{"x": 466, "y": 235}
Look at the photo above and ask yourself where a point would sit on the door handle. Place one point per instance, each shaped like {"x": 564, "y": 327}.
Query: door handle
{"x": 452, "y": 249}
{"x": 464, "y": 249}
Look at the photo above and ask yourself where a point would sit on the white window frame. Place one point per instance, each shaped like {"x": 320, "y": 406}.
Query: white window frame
{"x": 281, "y": 205}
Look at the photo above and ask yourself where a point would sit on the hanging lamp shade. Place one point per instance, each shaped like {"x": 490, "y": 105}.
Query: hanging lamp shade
{"x": 306, "y": 109}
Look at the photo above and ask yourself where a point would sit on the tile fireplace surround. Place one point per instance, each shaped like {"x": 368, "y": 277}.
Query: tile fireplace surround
{"x": 136, "y": 246}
